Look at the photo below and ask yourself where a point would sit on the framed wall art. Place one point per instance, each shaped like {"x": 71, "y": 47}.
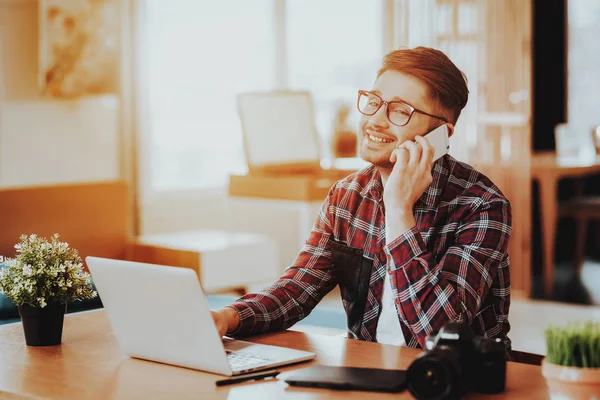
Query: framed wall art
{"x": 79, "y": 47}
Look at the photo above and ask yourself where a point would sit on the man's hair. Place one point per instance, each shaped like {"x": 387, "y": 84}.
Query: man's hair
{"x": 447, "y": 84}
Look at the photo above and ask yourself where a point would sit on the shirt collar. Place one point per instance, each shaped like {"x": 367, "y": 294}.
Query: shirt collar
{"x": 430, "y": 197}
{"x": 373, "y": 188}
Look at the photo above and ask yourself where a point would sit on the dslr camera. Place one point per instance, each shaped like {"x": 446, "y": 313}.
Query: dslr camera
{"x": 456, "y": 361}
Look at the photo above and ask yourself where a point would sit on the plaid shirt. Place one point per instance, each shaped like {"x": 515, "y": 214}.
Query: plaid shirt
{"x": 453, "y": 265}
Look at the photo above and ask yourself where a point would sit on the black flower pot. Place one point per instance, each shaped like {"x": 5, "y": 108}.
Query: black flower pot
{"x": 43, "y": 326}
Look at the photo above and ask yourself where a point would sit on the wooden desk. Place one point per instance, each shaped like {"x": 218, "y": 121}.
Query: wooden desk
{"x": 548, "y": 170}
{"x": 89, "y": 365}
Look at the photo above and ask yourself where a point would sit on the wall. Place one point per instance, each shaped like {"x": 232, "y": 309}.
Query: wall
{"x": 583, "y": 66}
{"x": 45, "y": 141}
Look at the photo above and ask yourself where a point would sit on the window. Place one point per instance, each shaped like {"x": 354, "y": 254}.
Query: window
{"x": 334, "y": 48}
{"x": 197, "y": 56}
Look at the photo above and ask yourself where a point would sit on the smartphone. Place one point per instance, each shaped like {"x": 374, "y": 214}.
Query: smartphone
{"x": 440, "y": 141}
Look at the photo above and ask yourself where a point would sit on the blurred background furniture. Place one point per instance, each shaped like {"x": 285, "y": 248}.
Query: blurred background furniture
{"x": 547, "y": 169}
{"x": 92, "y": 217}
{"x": 345, "y": 135}
{"x": 283, "y": 203}
{"x": 288, "y": 177}
{"x": 582, "y": 209}
{"x": 222, "y": 260}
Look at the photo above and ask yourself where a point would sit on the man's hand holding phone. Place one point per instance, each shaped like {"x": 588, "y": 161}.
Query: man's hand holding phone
{"x": 410, "y": 176}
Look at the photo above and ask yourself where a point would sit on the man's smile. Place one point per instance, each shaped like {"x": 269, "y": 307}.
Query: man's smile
{"x": 378, "y": 137}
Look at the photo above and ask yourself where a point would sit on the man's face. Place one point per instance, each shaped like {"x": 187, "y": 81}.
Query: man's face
{"x": 394, "y": 85}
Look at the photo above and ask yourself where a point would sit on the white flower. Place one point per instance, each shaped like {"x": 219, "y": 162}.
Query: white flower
{"x": 27, "y": 270}
{"x": 69, "y": 283}
{"x": 42, "y": 302}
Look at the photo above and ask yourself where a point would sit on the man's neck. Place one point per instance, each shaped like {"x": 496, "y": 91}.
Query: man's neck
{"x": 385, "y": 174}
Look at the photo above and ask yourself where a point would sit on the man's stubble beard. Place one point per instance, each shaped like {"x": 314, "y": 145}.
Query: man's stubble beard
{"x": 378, "y": 161}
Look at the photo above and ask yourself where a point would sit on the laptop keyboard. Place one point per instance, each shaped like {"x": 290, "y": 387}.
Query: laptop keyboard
{"x": 243, "y": 361}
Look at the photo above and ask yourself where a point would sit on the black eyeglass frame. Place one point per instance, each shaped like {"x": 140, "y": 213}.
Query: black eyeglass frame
{"x": 387, "y": 108}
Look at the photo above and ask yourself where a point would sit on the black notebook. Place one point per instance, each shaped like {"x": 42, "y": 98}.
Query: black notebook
{"x": 348, "y": 378}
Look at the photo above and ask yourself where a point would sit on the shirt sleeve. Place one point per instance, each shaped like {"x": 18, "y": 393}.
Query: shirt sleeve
{"x": 299, "y": 290}
{"x": 431, "y": 294}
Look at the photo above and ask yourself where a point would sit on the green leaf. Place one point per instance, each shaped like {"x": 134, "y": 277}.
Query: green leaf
{"x": 577, "y": 344}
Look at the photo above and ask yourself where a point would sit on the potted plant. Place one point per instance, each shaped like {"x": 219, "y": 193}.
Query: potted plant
{"x": 572, "y": 363}
{"x": 41, "y": 280}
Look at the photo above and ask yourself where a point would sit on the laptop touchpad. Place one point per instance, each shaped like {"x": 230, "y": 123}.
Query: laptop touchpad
{"x": 236, "y": 345}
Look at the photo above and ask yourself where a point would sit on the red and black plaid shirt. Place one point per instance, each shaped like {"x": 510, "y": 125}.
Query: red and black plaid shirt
{"x": 453, "y": 265}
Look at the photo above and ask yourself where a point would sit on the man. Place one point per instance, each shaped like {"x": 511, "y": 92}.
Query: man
{"x": 412, "y": 244}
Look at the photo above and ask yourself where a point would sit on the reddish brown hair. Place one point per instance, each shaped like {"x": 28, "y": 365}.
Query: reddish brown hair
{"x": 447, "y": 84}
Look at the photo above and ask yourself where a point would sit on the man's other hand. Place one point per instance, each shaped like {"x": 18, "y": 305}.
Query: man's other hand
{"x": 226, "y": 320}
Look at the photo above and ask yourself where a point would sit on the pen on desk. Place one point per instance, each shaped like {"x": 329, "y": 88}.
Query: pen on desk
{"x": 251, "y": 377}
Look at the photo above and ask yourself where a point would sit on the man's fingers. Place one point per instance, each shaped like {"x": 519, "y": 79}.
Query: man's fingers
{"x": 428, "y": 150}
{"x": 400, "y": 157}
{"x": 415, "y": 151}
{"x": 219, "y": 323}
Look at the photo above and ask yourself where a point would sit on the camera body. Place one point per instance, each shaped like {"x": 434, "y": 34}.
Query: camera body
{"x": 456, "y": 361}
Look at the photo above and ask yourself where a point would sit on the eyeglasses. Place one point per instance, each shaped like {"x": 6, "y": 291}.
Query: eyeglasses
{"x": 397, "y": 112}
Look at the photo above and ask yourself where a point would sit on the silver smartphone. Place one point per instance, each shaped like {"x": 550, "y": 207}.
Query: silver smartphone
{"x": 440, "y": 141}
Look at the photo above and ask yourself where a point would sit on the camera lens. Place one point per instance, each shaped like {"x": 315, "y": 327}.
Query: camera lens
{"x": 436, "y": 375}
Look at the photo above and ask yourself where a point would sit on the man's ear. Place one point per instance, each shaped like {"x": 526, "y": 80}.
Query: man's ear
{"x": 450, "y": 129}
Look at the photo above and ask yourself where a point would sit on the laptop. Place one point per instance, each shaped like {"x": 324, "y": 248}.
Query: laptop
{"x": 160, "y": 313}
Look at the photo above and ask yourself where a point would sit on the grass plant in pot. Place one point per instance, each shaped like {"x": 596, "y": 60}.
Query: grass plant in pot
{"x": 572, "y": 363}
{"x": 41, "y": 280}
